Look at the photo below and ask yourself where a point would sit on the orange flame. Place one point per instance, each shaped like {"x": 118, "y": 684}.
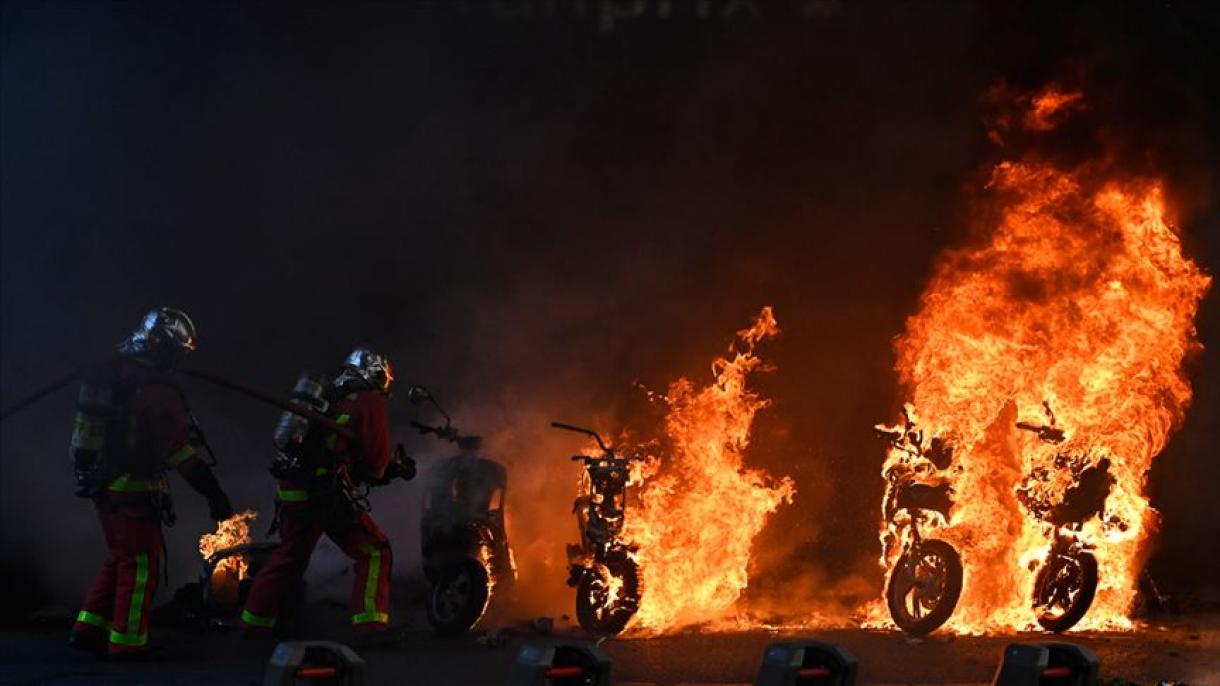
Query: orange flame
{"x": 1079, "y": 296}
{"x": 232, "y": 532}
{"x": 1050, "y": 107}
{"x": 700, "y": 507}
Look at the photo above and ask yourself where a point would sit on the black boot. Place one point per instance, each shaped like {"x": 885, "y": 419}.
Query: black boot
{"x": 87, "y": 641}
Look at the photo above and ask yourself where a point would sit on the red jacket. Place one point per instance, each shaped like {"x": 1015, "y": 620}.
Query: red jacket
{"x": 163, "y": 425}
{"x": 367, "y": 413}
{"x": 160, "y": 433}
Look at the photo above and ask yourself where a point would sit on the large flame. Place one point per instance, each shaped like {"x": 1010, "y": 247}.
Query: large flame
{"x": 700, "y": 507}
{"x": 1076, "y": 295}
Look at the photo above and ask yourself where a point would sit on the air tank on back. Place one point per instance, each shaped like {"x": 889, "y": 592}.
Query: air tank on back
{"x": 309, "y": 392}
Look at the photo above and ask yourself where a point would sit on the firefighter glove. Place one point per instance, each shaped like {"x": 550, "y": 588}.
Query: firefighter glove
{"x": 401, "y": 466}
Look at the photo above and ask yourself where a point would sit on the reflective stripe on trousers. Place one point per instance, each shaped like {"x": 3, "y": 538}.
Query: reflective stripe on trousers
{"x": 371, "y": 582}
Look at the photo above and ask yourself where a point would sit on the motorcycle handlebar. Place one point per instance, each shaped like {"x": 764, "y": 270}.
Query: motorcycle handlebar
{"x": 1047, "y": 433}
{"x": 590, "y": 458}
{"x": 588, "y": 432}
{"x": 446, "y": 432}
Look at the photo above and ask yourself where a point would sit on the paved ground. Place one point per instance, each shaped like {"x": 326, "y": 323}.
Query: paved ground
{"x": 1185, "y": 650}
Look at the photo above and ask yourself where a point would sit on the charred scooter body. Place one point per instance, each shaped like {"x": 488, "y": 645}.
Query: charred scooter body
{"x": 466, "y": 555}
{"x": 926, "y": 582}
{"x": 602, "y": 567}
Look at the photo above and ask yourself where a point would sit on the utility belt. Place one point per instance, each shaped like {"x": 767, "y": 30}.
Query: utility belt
{"x": 153, "y": 490}
{"x": 330, "y": 497}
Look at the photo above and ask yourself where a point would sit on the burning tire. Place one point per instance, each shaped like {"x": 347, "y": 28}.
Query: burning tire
{"x": 924, "y": 587}
{"x": 459, "y": 597}
{"x": 608, "y": 596}
{"x": 1064, "y": 589}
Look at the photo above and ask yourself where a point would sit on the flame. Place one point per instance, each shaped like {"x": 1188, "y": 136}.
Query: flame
{"x": 1076, "y": 295}
{"x": 485, "y": 556}
{"x": 230, "y": 533}
{"x": 699, "y": 506}
{"x": 1049, "y": 107}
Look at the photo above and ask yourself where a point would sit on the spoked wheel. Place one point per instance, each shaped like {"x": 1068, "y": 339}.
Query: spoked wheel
{"x": 459, "y": 597}
{"x": 1064, "y": 589}
{"x": 924, "y": 587}
{"x": 607, "y": 596}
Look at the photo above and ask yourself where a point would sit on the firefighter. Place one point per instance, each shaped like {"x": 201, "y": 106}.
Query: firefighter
{"x": 323, "y": 496}
{"x": 132, "y": 425}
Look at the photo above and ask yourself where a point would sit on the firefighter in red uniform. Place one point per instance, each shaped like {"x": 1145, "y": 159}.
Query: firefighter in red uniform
{"x": 323, "y": 496}
{"x": 132, "y": 425}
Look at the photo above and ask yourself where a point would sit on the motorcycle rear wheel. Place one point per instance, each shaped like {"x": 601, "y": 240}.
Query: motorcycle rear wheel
{"x": 922, "y": 593}
{"x": 596, "y": 613}
{"x": 459, "y": 597}
{"x": 1074, "y": 580}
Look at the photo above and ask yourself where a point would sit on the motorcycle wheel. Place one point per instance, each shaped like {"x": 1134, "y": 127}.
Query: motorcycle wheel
{"x": 459, "y": 597}
{"x": 923, "y": 592}
{"x": 1064, "y": 590}
{"x": 597, "y": 612}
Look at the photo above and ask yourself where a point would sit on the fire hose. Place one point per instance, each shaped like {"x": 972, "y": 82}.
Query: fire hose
{"x": 317, "y": 417}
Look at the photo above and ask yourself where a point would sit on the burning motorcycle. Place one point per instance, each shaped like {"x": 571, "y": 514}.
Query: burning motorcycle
{"x": 466, "y": 555}
{"x": 926, "y": 580}
{"x": 230, "y": 561}
{"x": 1066, "y": 581}
{"x": 602, "y": 567}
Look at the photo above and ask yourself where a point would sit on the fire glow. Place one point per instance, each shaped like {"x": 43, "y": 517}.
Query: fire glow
{"x": 699, "y": 507}
{"x": 1075, "y": 294}
{"x": 230, "y": 533}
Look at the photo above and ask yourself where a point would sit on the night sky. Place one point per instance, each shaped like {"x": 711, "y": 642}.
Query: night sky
{"x": 530, "y": 210}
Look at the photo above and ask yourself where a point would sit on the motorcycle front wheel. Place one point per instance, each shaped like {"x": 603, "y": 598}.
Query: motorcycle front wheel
{"x": 1064, "y": 590}
{"x": 459, "y": 597}
{"x": 924, "y": 587}
{"x": 607, "y": 596}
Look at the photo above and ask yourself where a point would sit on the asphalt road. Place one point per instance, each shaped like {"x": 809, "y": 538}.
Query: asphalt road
{"x": 1185, "y": 650}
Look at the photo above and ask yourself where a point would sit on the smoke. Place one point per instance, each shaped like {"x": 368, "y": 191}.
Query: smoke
{"x": 528, "y": 216}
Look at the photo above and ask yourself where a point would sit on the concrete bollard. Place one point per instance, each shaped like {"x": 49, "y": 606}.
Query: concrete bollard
{"x": 806, "y": 663}
{"x": 1046, "y": 664}
{"x": 294, "y": 663}
{"x": 560, "y": 663}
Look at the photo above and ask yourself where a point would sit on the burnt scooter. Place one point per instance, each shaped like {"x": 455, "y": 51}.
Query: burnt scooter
{"x": 926, "y": 581}
{"x": 1066, "y": 581}
{"x": 466, "y": 555}
{"x": 601, "y": 567}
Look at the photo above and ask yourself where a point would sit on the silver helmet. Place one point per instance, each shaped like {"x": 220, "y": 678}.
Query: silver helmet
{"x": 371, "y": 367}
{"x": 165, "y": 333}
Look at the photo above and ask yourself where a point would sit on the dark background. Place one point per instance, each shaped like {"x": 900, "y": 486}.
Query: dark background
{"x": 530, "y": 206}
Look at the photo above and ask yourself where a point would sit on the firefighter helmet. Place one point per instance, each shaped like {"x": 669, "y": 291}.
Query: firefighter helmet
{"x": 165, "y": 334}
{"x": 371, "y": 367}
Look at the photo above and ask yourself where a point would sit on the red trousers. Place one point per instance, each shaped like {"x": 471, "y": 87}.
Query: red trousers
{"x": 118, "y": 603}
{"x": 362, "y": 541}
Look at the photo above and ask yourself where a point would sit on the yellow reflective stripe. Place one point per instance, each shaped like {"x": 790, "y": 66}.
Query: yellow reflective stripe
{"x": 252, "y": 619}
{"x": 137, "y": 596}
{"x": 292, "y": 495}
{"x": 86, "y": 617}
{"x": 341, "y": 419}
{"x": 370, "y": 613}
{"x": 126, "y": 484}
{"x": 367, "y": 617}
{"x": 184, "y": 453}
{"x": 136, "y": 639}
